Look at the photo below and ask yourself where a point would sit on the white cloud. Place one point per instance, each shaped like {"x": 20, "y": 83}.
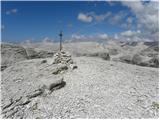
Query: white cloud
{"x": 111, "y": 3}
{"x": 85, "y": 18}
{"x": 101, "y": 17}
{"x": 130, "y": 35}
{"x": 77, "y": 37}
{"x": 45, "y": 39}
{"x": 103, "y": 36}
{"x": 116, "y": 36}
{"x": 12, "y": 11}
{"x": 136, "y": 6}
{"x": 28, "y": 41}
{"x": 129, "y": 20}
{"x": 147, "y": 17}
{"x": 98, "y": 36}
{"x": 90, "y": 16}
{"x": 118, "y": 18}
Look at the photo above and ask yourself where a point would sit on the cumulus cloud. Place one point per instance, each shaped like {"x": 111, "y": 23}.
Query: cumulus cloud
{"x": 77, "y": 37}
{"x": 108, "y": 16}
{"x": 46, "y": 40}
{"x": 130, "y": 35}
{"x": 118, "y": 18}
{"x": 84, "y": 17}
{"x": 90, "y": 16}
{"x": 103, "y": 36}
{"x": 140, "y": 22}
{"x": 98, "y": 36}
{"x": 12, "y": 11}
{"x": 147, "y": 17}
{"x": 111, "y": 2}
{"x": 101, "y": 17}
{"x": 128, "y": 24}
{"x": 116, "y": 36}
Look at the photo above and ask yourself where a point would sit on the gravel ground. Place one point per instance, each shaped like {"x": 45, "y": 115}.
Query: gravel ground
{"x": 103, "y": 89}
{"x": 100, "y": 89}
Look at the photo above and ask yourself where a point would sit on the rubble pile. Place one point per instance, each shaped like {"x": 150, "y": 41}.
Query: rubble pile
{"x": 64, "y": 61}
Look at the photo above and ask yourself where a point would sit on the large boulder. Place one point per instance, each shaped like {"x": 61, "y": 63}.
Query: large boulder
{"x": 150, "y": 51}
{"x": 11, "y": 54}
{"x": 136, "y": 59}
{"x": 52, "y": 83}
{"x": 140, "y": 60}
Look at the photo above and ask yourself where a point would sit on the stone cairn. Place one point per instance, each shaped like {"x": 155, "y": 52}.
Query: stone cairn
{"x": 64, "y": 61}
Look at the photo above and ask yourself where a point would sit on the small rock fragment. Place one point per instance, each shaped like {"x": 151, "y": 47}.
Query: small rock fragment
{"x": 73, "y": 66}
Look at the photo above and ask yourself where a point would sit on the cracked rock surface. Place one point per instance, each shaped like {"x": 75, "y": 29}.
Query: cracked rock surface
{"x": 97, "y": 89}
{"x": 28, "y": 80}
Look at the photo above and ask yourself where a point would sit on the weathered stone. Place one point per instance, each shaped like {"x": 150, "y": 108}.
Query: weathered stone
{"x": 7, "y": 103}
{"x": 35, "y": 93}
{"x": 52, "y": 82}
{"x": 11, "y": 54}
{"x": 136, "y": 59}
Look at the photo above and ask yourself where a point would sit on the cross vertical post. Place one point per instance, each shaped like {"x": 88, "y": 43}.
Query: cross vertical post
{"x": 60, "y": 35}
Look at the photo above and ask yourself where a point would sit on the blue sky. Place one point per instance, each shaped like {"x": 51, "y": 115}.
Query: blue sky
{"x": 38, "y": 21}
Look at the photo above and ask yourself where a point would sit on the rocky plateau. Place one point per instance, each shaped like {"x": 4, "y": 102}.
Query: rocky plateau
{"x": 84, "y": 80}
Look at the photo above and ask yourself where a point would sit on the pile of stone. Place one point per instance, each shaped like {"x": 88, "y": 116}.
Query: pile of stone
{"x": 62, "y": 57}
{"x": 64, "y": 61}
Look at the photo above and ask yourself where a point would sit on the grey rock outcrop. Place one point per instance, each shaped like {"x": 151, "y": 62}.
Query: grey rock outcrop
{"x": 140, "y": 60}
{"x": 11, "y": 54}
{"x": 107, "y": 86}
{"x": 33, "y": 54}
{"x": 50, "y": 85}
{"x": 30, "y": 80}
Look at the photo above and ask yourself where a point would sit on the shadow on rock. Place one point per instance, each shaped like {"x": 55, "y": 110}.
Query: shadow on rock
{"x": 58, "y": 86}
